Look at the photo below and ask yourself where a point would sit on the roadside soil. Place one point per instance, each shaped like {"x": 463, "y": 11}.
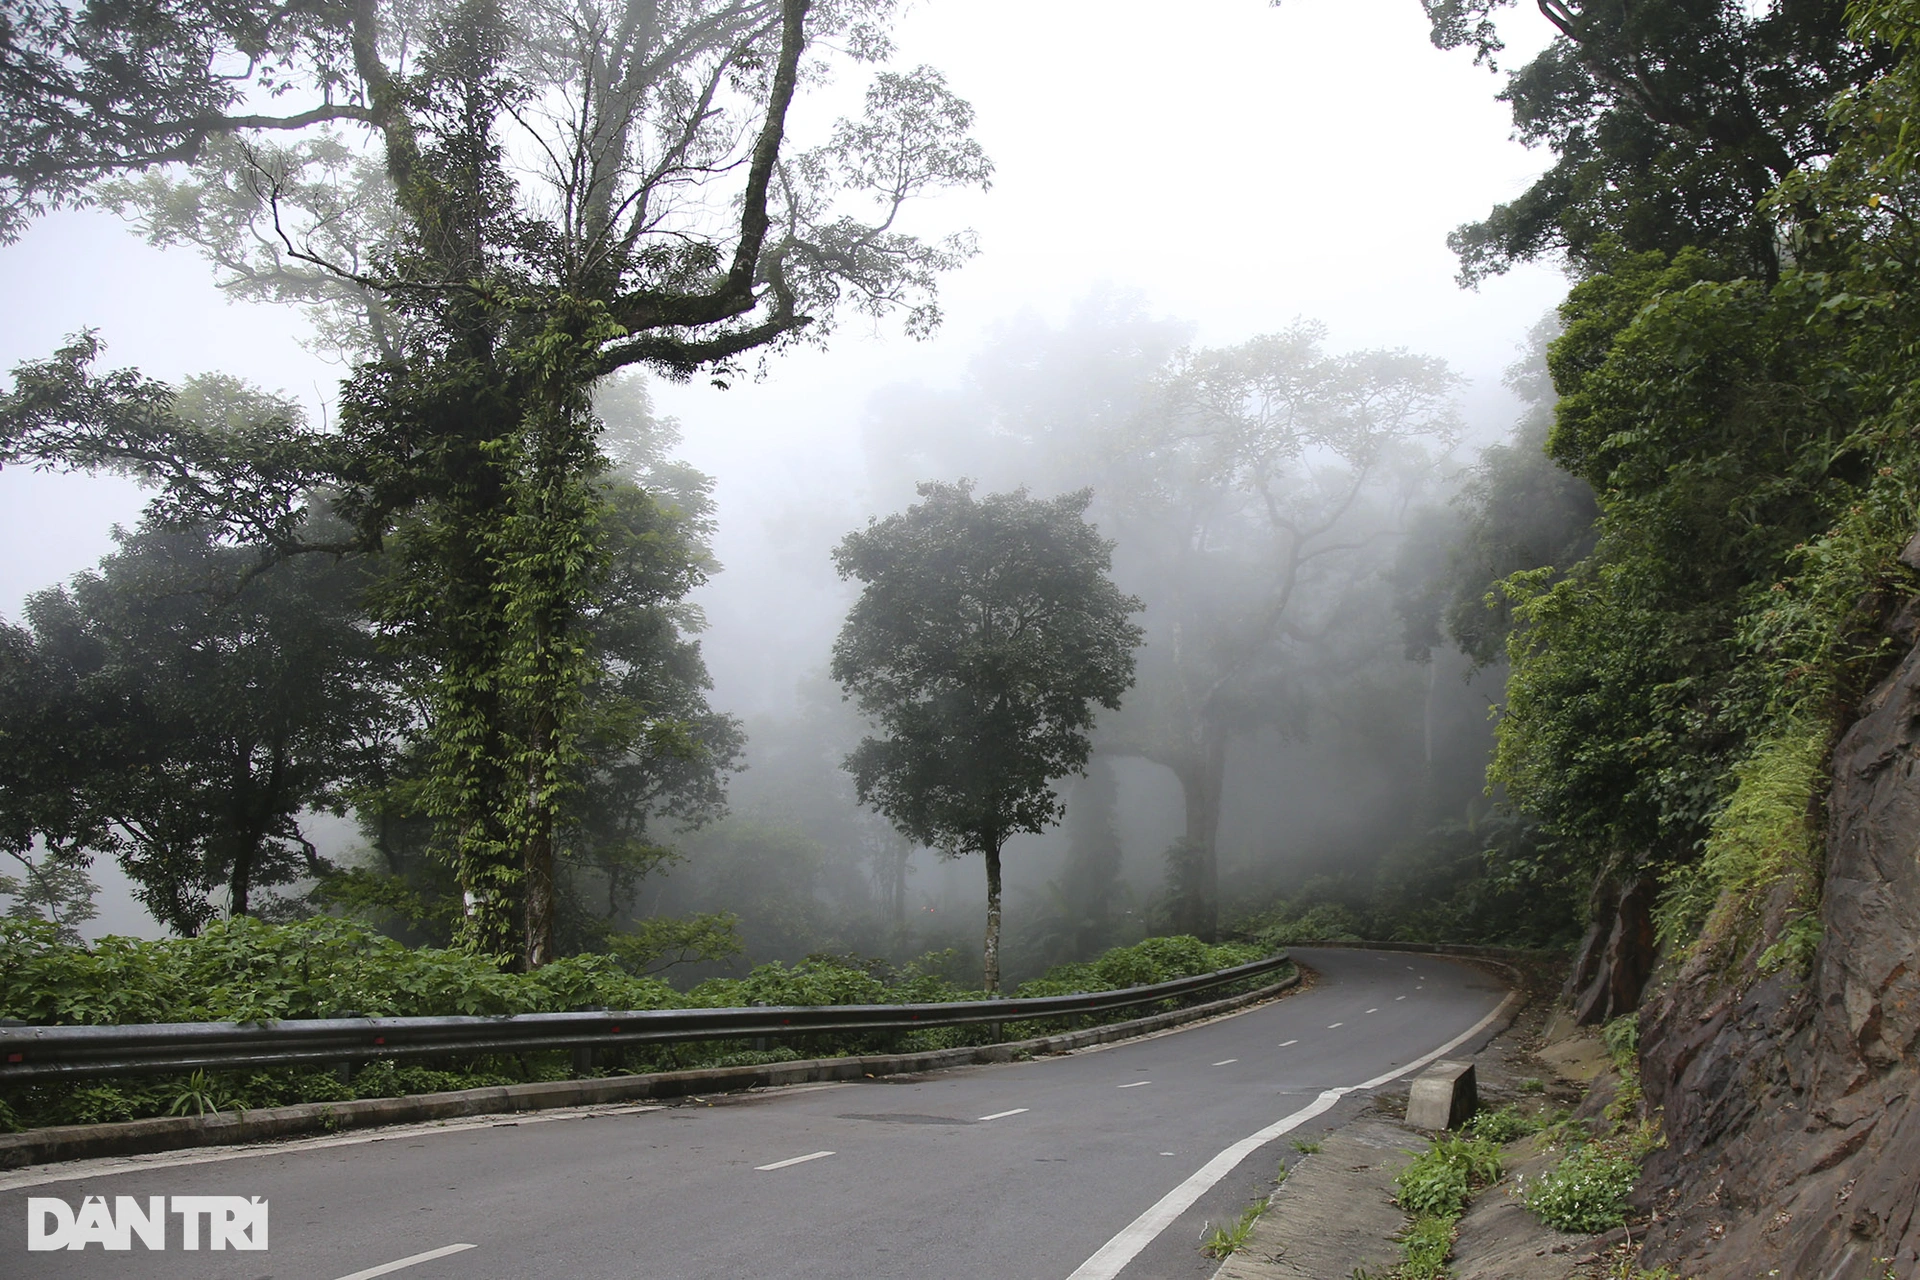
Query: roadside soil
{"x": 1333, "y": 1216}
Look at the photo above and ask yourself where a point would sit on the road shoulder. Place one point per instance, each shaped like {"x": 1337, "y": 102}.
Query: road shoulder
{"x": 1333, "y": 1214}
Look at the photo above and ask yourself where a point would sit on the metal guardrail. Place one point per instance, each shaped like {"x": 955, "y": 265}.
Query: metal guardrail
{"x": 38, "y": 1053}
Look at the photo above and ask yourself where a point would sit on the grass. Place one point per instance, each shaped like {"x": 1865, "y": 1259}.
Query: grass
{"x": 1305, "y": 1147}
{"x": 1224, "y": 1242}
{"x": 1428, "y": 1240}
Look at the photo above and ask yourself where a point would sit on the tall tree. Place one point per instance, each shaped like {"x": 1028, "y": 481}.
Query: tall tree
{"x": 1247, "y": 495}
{"x": 1669, "y": 123}
{"x": 222, "y": 701}
{"x": 487, "y": 295}
{"x": 985, "y": 636}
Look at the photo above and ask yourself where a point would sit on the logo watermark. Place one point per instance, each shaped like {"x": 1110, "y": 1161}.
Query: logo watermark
{"x": 230, "y": 1222}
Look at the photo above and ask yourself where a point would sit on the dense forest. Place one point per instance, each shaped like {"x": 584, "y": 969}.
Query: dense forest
{"x": 460, "y": 616}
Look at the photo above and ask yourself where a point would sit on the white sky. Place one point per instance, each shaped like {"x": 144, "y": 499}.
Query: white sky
{"x": 1235, "y": 163}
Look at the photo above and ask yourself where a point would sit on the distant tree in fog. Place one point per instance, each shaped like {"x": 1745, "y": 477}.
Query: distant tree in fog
{"x": 179, "y": 710}
{"x": 987, "y": 634}
{"x": 1252, "y": 495}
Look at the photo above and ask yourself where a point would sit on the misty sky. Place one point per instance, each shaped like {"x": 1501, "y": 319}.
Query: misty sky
{"x": 1232, "y": 164}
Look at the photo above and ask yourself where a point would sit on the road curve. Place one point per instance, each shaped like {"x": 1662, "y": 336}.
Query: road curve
{"x": 1101, "y": 1165}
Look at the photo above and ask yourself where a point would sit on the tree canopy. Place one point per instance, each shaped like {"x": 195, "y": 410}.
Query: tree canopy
{"x": 488, "y": 212}
{"x": 986, "y": 635}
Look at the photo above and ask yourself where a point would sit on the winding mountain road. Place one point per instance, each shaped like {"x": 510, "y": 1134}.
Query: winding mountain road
{"x": 1098, "y": 1165}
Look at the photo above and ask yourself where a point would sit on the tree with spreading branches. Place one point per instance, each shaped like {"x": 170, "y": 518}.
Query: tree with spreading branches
{"x": 489, "y": 212}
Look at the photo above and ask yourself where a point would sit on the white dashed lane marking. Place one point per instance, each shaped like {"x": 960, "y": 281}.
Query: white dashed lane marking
{"x": 388, "y": 1268}
{"x": 1002, "y": 1115}
{"x": 1333, "y": 1025}
{"x": 782, "y": 1164}
{"x": 1373, "y": 1011}
{"x": 1285, "y": 1043}
{"x": 1135, "y": 1085}
{"x": 1399, "y": 997}
{"x": 1224, "y": 1061}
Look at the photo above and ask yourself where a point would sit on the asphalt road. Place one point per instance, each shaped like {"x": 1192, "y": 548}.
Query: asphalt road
{"x": 1096, "y": 1165}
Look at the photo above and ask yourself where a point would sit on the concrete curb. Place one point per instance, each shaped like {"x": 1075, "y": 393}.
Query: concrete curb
{"x": 167, "y": 1133}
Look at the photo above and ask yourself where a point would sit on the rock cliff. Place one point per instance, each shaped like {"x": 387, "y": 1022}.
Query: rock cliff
{"x": 1790, "y": 1106}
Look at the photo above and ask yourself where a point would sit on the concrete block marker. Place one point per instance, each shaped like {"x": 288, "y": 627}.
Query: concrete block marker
{"x": 1112, "y": 1258}
{"x": 1444, "y": 1096}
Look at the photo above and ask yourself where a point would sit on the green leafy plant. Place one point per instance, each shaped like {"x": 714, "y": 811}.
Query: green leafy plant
{"x": 1223, "y": 1242}
{"x": 1501, "y": 1126}
{"x": 1622, "y": 1038}
{"x": 1428, "y": 1240}
{"x": 1306, "y": 1147}
{"x": 201, "y": 1096}
{"x": 1586, "y": 1192}
{"x": 1441, "y": 1178}
{"x": 1795, "y": 947}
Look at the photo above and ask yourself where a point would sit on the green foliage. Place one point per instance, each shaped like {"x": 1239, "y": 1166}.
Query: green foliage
{"x": 1441, "y": 1178}
{"x": 985, "y": 635}
{"x": 1427, "y": 1241}
{"x": 1224, "y": 1242}
{"x": 185, "y": 703}
{"x": 1502, "y": 1126}
{"x": 1285, "y": 924}
{"x": 1306, "y": 1148}
{"x": 200, "y": 1096}
{"x": 1795, "y": 948}
{"x": 1143, "y": 964}
{"x": 1492, "y": 879}
{"x": 1621, "y": 98}
{"x": 55, "y": 887}
{"x": 1736, "y": 379}
{"x": 662, "y": 942}
{"x": 243, "y": 970}
{"x": 1622, "y": 1038}
{"x": 1586, "y": 1192}
{"x": 247, "y": 970}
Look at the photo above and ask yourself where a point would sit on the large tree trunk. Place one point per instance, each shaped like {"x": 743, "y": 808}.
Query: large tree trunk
{"x": 899, "y": 853}
{"x": 992, "y": 955}
{"x": 538, "y": 857}
{"x": 1202, "y": 777}
{"x": 1093, "y": 858}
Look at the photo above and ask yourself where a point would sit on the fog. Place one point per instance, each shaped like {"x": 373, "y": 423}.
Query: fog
{"x": 1165, "y": 179}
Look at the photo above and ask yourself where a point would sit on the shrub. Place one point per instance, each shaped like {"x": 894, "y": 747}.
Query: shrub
{"x": 1440, "y": 1179}
{"x": 1585, "y": 1193}
{"x": 1500, "y": 1127}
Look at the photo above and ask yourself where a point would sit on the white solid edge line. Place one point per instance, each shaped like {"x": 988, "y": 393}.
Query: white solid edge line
{"x": 1002, "y": 1115}
{"x": 781, "y": 1164}
{"x": 386, "y": 1268}
{"x": 1116, "y": 1253}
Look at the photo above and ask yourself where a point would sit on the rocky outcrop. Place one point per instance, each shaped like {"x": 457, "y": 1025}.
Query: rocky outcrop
{"x": 1617, "y": 956}
{"x": 1792, "y": 1109}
